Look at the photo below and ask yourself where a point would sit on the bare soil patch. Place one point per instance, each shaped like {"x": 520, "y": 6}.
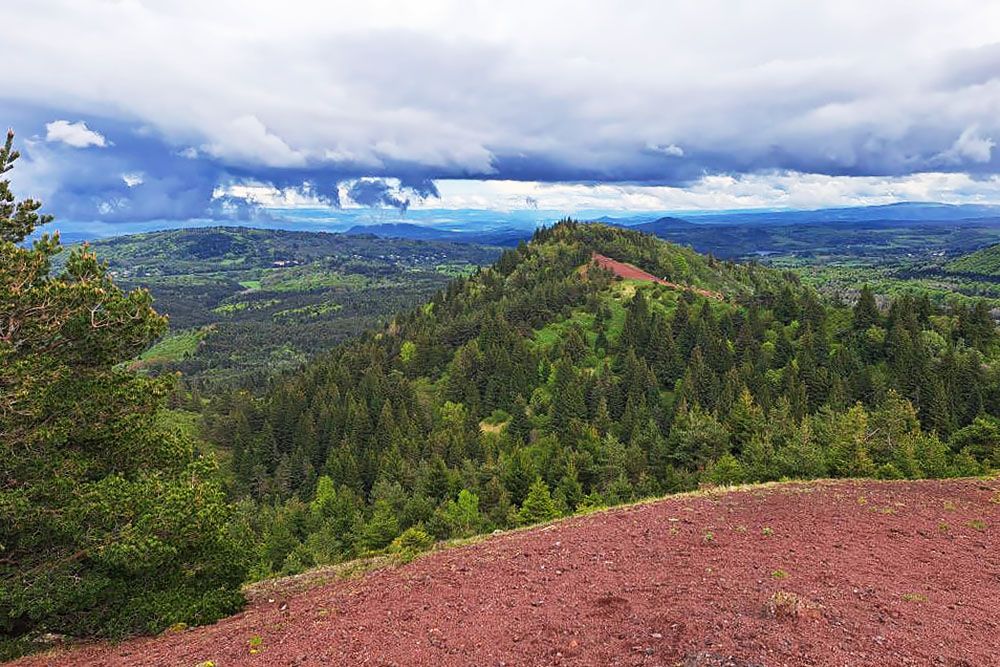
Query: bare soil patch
{"x": 824, "y": 573}
{"x": 632, "y": 272}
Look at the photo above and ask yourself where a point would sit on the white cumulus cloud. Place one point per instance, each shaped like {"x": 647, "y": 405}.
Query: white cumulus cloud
{"x": 132, "y": 178}
{"x": 970, "y": 146}
{"x": 77, "y": 134}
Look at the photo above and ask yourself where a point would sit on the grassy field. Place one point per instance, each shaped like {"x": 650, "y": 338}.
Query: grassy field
{"x": 177, "y": 346}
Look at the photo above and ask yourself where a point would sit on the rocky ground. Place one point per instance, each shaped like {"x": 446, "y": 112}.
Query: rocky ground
{"x": 824, "y": 573}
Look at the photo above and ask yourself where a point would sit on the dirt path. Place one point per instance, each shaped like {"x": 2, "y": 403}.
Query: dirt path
{"x": 847, "y": 573}
{"x": 632, "y": 272}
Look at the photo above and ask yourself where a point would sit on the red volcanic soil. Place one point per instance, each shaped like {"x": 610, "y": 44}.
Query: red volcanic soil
{"x": 824, "y": 573}
{"x": 632, "y": 272}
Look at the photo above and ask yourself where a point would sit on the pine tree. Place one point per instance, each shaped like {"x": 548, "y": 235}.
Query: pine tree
{"x": 518, "y": 471}
{"x": 518, "y": 428}
{"x": 568, "y": 402}
{"x": 866, "y": 310}
{"x": 538, "y": 505}
{"x": 569, "y": 493}
{"x": 727, "y": 470}
{"x": 759, "y": 461}
{"x": 381, "y": 529}
{"x": 745, "y": 420}
{"x": 696, "y": 438}
{"x": 801, "y": 457}
{"x": 109, "y": 523}
{"x": 848, "y": 436}
{"x": 462, "y": 515}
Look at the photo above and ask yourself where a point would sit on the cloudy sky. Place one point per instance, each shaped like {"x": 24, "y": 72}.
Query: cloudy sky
{"x": 130, "y": 110}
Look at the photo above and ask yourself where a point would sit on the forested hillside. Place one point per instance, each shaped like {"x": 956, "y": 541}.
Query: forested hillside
{"x": 985, "y": 262}
{"x": 544, "y": 385}
{"x": 245, "y": 303}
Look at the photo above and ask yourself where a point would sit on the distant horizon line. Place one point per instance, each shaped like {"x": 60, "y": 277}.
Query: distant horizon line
{"x": 586, "y": 215}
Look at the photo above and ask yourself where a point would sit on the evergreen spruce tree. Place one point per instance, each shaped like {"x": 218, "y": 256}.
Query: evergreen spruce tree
{"x": 866, "y": 310}
{"x": 538, "y": 505}
{"x": 727, "y": 470}
{"x": 380, "y": 529}
{"x": 109, "y": 524}
{"x": 518, "y": 428}
{"x": 568, "y": 402}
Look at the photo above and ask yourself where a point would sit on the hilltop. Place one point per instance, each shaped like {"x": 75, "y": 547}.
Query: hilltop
{"x": 820, "y": 574}
{"x": 630, "y": 272}
{"x": 664, "y": 225}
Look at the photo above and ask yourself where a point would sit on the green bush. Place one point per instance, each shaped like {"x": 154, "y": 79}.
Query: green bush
{"x": 413, "y": 540}
{"x": 538, "y": 506}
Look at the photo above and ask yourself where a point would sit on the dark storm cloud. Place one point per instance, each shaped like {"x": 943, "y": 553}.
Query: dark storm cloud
{"x": 421, "y": 186}
{"x": 385, "y": 102}
{"x": 375, "y": 192}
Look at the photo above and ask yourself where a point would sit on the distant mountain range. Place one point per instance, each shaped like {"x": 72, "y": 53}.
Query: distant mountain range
{"x": 903, "y": 211}
{"x": 663, "y": 225}
{"x": 863, "y": 231}
{"x": 873, "y": 217}
{"x": 508, "y": 236}
{"x": 726, "y": 234}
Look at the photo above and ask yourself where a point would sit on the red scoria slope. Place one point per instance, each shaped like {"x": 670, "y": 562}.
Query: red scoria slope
{"x": 825, "y": 573}
{"x": 632, "y": 272}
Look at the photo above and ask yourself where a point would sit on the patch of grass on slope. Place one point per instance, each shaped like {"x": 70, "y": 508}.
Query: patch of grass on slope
{"x": 176, "y": 346}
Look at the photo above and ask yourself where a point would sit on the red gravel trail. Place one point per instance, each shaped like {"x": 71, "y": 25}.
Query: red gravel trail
{"x": 632, "y": 272}
{"x": 825, "y": 573}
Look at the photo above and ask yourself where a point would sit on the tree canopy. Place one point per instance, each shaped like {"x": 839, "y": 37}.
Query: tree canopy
{"x": 110, "y": 523}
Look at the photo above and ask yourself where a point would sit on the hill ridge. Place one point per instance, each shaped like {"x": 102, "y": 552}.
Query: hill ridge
{"x": 982, "y": 262}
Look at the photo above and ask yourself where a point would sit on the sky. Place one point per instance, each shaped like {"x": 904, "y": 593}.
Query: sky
{"x": 137, "y": 110}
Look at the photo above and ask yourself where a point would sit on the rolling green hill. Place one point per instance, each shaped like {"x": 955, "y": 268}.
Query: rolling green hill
{"x": 985, "y": 262}
{"x": 545, "y": 385}
{"x": 246, "y": 302}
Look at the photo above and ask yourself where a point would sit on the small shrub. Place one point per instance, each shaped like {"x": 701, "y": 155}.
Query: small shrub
{"x": 726, "y": 471}
{"x": 709, "y": 537}
{"x": 413, "y": 540}
{"x": 256, "y": 644}
{"x": 498, "y": 417}
{"x": 779, "y": 574}
{"x": 767, "y": 531}
{"x": 914, "y": 597}
{"x": 977, "y": 524}
{"x": 783, "y": 605}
